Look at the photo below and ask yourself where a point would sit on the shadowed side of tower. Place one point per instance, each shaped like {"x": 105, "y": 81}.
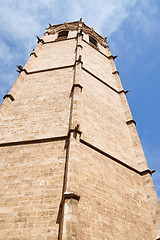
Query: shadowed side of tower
{"x": 72, "y": 165}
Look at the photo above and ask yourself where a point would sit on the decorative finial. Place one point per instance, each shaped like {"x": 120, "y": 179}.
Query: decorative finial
{"x": 50, "y": 25}
{"x": 80, "y": 19}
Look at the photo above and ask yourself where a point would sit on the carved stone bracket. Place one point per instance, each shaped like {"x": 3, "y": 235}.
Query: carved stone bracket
{"x": 79, "y": 60}
{"x": 79, "y": 45}
{"x": 21, "y": 69}
{"x": 115, "y": 72}
{"x": 76, "y": 131}
{"x": 147, "y": 171}
{"x": 112, "y": 57}
{"x": 9, "y": 96}
{"x": 76, "y": 85}
{"x": 124, "y": 91}
{"x": 40, "y": 40}
{"x": 130, "y": 121}
{"x": 33, "y": 53}
{"x": 71, "y": 195}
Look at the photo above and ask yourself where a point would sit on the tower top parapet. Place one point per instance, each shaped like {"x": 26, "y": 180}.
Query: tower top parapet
{"x": 79, "y": 26}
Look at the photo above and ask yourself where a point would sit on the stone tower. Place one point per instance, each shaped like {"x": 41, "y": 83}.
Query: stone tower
{"x": 72, "y": 165}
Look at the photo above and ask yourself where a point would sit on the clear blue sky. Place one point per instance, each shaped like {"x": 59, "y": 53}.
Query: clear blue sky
{"x": 133, "y": 31}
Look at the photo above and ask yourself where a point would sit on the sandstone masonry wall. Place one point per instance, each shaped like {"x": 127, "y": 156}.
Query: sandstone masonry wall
{"x": 31, "y": 189}
{"x": 113, "y": 202}
{"x": 71, "y": 163}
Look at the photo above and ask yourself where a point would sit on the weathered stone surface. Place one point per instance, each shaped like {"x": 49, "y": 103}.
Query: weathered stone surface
{"x": 41, "y": 108}
{"x": 31, "y": 188}
{"x": 71, "y": 160}
{"x": 113, "y": 203}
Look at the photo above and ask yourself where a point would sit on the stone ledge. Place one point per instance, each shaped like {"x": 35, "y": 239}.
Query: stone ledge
{"x": 71, "y": 195}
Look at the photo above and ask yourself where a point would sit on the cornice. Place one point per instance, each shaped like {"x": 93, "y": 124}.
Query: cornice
{"x": 52, "y": 29}
{"x": 78, "y": 25}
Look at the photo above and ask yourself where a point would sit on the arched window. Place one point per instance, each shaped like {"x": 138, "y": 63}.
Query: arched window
{"x": 93, "y": 41}
{"x": 63, "y": 34}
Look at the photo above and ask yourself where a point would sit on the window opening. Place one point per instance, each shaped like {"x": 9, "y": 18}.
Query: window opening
{"x": 93, "y": 41}
{"x": 63, "y": 34}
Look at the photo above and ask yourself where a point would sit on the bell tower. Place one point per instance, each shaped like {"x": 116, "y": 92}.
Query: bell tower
{"x": 72, "y": 165}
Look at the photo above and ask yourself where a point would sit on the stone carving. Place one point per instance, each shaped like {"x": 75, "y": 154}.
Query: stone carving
{"x": 52, "y": 29}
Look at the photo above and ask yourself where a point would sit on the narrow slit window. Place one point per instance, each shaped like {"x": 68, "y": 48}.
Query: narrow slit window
{"x": 63, "y": 34}
{"x": 93, "y": 41}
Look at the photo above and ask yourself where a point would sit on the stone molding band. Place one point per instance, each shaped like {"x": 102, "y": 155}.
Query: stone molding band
{"x": 96, "y": 48}
{"x": 60, "y": 40}
{"x": 57, "y": 40}
{"x": 70, "y": 66}
{"x": 116, "y": 159}
{"x": 51, "y": 69}
{"x": 64, "y": 138}
{"x": 33, "y": 141}
{"x": 83, "y": 68}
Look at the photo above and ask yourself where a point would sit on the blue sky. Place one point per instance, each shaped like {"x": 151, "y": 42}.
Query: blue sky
{"x": 133, "y": 31}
